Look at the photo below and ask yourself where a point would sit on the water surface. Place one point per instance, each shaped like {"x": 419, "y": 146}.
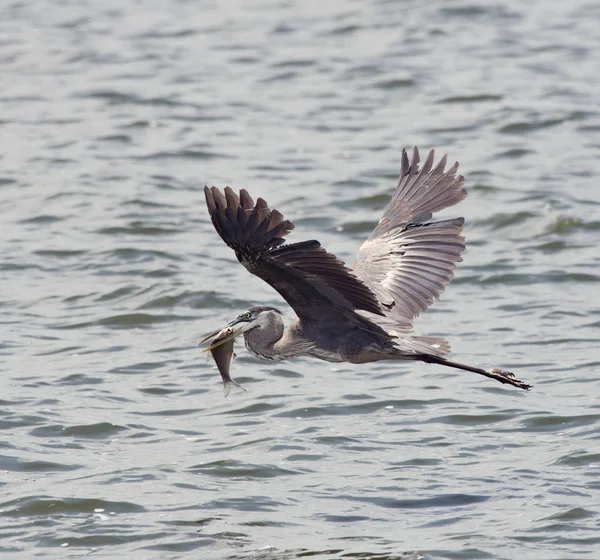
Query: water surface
{"x": 116, "y": 438}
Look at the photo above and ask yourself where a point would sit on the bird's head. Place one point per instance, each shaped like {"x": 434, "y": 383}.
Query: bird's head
{"x": 253, "y": 318}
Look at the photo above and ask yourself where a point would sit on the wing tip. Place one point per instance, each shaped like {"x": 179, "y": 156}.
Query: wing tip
{"x": 241, "y": 222}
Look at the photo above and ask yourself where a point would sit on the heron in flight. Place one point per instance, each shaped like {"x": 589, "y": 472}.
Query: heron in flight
{"x": 360, "y": 314}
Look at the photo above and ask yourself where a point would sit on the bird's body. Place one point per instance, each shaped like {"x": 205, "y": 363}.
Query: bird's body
{"x": 357, "y": 315}
{"x": 307, "y": 340}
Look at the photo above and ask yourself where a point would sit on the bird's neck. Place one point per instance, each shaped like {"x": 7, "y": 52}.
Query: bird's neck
{"x": 271, "y": 343}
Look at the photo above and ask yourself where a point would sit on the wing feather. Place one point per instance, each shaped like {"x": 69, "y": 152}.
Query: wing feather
{"x": 408, "y": 260}
{"x": 305, "y": 274}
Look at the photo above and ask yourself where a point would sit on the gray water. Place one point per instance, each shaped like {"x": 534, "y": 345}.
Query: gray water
{"x": 116, "y": 439}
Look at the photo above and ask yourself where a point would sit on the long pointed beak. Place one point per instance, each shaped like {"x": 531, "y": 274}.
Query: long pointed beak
{"x": 233, "y": 332}
{"x": 211, "y": 335}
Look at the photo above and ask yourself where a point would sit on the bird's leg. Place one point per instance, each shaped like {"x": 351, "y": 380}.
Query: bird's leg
{"x": 497, "y": 374}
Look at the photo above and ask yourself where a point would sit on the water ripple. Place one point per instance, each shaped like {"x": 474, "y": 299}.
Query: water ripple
{"x": 114, "y": 429}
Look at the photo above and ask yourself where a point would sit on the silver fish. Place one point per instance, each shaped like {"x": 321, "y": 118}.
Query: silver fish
{"x": 222, "y": 353}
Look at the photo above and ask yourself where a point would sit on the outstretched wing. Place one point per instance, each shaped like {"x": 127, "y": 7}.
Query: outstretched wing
{"x": 313, "y": 281}
{"x": 408, "y": 260}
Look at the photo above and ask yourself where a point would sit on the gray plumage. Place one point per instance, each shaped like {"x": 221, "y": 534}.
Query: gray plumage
{"x": 357, "y": 315}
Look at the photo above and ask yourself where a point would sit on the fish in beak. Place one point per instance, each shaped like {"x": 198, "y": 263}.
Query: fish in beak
{"x": 221, "y": 349}
{"x": 238, "y": 326}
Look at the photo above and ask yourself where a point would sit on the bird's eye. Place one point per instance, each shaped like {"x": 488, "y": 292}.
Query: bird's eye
{"x": 247, "y": 315}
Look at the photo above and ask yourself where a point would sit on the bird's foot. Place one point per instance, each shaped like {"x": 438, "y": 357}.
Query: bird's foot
{"x": 508, "y": 377}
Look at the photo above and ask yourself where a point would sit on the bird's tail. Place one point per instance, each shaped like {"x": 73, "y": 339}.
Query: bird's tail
{"x": 434, "y": 345}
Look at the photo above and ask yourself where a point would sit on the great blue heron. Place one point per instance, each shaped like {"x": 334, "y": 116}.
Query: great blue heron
{"x": 357, "y": 315}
